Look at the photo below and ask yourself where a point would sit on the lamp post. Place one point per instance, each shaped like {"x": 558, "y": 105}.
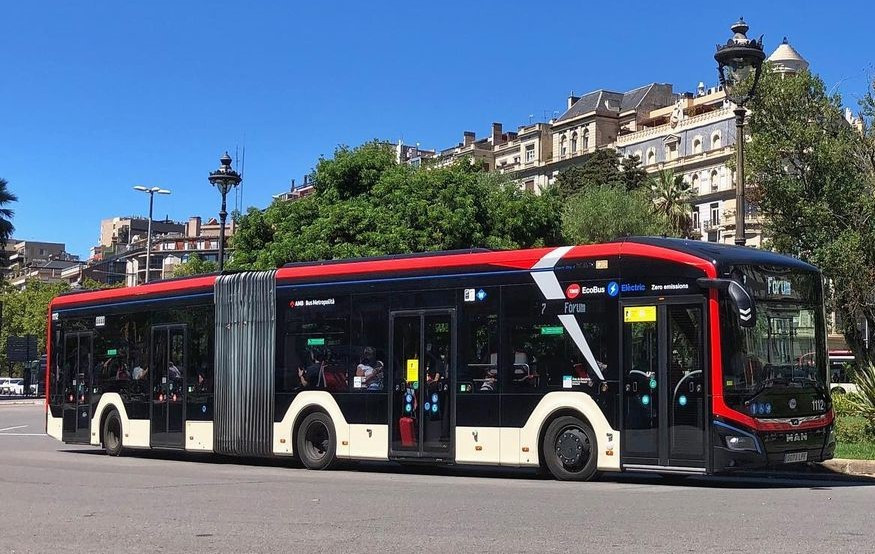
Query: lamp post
{"x": 739, "y": 63}
{"x": 151, "y": 192}
{"x": 224, "y": 179}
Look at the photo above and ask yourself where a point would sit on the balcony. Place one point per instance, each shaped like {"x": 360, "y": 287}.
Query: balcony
{"x": 711, "y": 225}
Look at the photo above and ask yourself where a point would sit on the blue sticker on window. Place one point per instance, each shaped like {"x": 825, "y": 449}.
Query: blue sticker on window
{"x": 408, "y": 408}
{"x": 427, "y": 406}
{"x": 204, "y": 409}
{"x": 645, "y": 399}
{"x": 682, "y": 400}
{"x": 434, "y": 408}
{"x": 408, "y": 398}
{"x": 481, "y": 295}
{"x": 434, "y": 397}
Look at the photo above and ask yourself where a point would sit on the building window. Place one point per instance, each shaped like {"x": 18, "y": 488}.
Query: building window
{"x": 638, "y": 155}
{"x": 715, "y": 141}
{"x": 563, "y": 147}
{"x": 715, "y": 180}
{"x": 530, "y": 185}
{"x": 586, "y": 139}
{"x": 715, "y": 213}
{"x": 651, "y": 156}
{"x": 530, "y": 152}
{"x": 695, "y": 218}
{"x": 694, "y": 182}
{"x": 574, "y": 143}
{"x": 697, "y": 145}
{"x": 516, "y": 159}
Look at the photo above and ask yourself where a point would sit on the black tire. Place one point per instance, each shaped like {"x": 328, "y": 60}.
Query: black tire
{"x": 112, "y": 434}
{"x": 570, "y": 449}
{"x": 316, "y": 441}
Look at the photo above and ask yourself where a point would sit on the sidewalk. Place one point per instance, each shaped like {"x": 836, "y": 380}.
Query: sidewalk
{"x": 850, "y": 467}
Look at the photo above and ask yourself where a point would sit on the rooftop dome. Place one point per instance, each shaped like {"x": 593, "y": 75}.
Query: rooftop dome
{"x": 786, "y": 59}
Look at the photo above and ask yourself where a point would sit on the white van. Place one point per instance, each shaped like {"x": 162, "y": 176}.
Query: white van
{"x": 840, "y": 382}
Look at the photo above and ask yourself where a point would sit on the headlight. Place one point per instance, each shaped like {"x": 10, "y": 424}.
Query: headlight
{"x": 741, "y": 443}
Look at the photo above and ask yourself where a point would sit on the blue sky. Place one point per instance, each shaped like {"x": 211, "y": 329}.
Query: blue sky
{"x": 97, "y": 97}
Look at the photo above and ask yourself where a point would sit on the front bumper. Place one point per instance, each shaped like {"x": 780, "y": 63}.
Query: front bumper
{"x": 772, "y": 449}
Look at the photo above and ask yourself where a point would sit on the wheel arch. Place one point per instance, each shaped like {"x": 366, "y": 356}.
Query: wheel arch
{"x": 553, "y": 416}
{"x": 304, "y": 404}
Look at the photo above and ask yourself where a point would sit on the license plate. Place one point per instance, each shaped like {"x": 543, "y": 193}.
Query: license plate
{"x": 792, "y": 457}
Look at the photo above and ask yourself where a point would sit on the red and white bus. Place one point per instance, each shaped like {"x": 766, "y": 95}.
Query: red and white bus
{"x": 645, "y": 354}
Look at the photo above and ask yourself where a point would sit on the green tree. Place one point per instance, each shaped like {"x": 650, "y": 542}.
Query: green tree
{"x": 6, "y": 198}
{"x": 812, "y": 178}
{"x": 671, "y": 199}
{"x": 604, "y": 167}
{"x": 195, "y": 265}
{"x": 365, "y": 204}
{"x": 605, "y": 213}
{"x": 601, "y": 168}
{"x": 25, "y": 312}
{"x": 632, "y": 174}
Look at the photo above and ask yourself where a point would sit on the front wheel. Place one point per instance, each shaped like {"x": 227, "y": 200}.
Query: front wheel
{"x": 112, "y": 434}
{"x": 317, "y": 442}
{"x": 570, "y": 449}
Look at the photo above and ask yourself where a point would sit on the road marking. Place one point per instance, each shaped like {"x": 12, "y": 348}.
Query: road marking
{"x": 11, "y": 428}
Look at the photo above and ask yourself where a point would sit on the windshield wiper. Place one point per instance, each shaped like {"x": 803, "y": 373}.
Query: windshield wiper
{"x": 767, "y": 383}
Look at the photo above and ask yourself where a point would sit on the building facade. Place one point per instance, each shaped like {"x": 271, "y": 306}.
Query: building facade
{"x": 689, "y": 133}
{"x": 29, "y": 259}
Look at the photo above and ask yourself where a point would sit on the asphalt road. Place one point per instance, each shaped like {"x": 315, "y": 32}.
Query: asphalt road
{"x": 58, "y": 498}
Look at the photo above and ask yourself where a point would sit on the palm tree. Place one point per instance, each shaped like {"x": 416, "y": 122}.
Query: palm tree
{"x": 672, "y": 198}
{"x": 6, "y": 198}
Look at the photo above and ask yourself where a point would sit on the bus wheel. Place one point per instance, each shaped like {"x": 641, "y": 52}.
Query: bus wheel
{"x": 112, "y": 434}
{"x": 570, "y": 449}
{"x": 316, "y": 441}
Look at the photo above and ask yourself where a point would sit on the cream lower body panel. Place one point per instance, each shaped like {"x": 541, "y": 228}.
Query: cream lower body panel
{"x": 54, "y": 426}
{"x": 369, "y": 442}
{"x": 478, "y": 445}
{"x": 199, "y": 436}
{"x": 135, "y": 432}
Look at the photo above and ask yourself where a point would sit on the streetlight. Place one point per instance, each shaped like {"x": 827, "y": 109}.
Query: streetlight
{"x": 151, "y": 192}
{"x": 736, "y": 61}
{"x": 224, "y": 179}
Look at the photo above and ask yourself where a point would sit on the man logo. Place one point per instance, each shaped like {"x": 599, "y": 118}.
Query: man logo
{"x": 572, "y": 291}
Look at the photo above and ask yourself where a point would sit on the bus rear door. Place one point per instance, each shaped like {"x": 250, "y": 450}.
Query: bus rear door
{"x": 422, "y": 373}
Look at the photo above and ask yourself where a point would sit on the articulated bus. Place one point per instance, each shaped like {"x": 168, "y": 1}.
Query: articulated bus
{"x": 646, "y": 354}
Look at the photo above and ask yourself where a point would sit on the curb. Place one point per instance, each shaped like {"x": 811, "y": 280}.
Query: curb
{"x": 850, "y": 467}
{"x": 23, "y": 402}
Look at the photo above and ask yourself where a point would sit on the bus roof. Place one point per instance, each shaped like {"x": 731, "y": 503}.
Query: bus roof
{"x": 711, "y": 258}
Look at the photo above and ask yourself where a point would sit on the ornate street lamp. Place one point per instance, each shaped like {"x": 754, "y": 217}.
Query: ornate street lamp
{"x": 151, "y": 192}
{"x": 739, "y": 63}
{"x": 224, "y": 179}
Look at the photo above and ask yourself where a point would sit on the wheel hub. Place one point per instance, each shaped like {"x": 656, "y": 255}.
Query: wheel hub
{"x": 572, "y": 447}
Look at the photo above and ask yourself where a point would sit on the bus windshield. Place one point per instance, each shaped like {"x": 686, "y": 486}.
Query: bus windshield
{"x": 783, "y": 354}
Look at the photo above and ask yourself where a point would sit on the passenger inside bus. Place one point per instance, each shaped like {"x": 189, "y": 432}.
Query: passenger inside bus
{"x": 370, "y": 370}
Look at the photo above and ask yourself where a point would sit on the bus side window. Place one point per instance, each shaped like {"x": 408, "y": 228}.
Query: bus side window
{"x": 478, "y": 370}
{"x": 369, "y": 335}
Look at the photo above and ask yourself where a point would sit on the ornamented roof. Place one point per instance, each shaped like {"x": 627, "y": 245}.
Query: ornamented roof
{"x": 786, "y": 59}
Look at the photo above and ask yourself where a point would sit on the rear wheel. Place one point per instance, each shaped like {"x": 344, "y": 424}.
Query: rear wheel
{"x": 570, "y": 449}
{"x": 316, "y": 442}
{"x": 112, "y": 434}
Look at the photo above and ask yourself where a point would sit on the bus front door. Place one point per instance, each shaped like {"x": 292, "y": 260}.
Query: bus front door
{"x": 422, "y": 374}
{"x": 664, "y": 386}
{"x": 168, "y": 364}
{"x": 76, "y": 375}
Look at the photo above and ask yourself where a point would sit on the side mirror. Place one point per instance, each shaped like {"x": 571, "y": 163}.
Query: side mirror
{"x": 741, "y": 299}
